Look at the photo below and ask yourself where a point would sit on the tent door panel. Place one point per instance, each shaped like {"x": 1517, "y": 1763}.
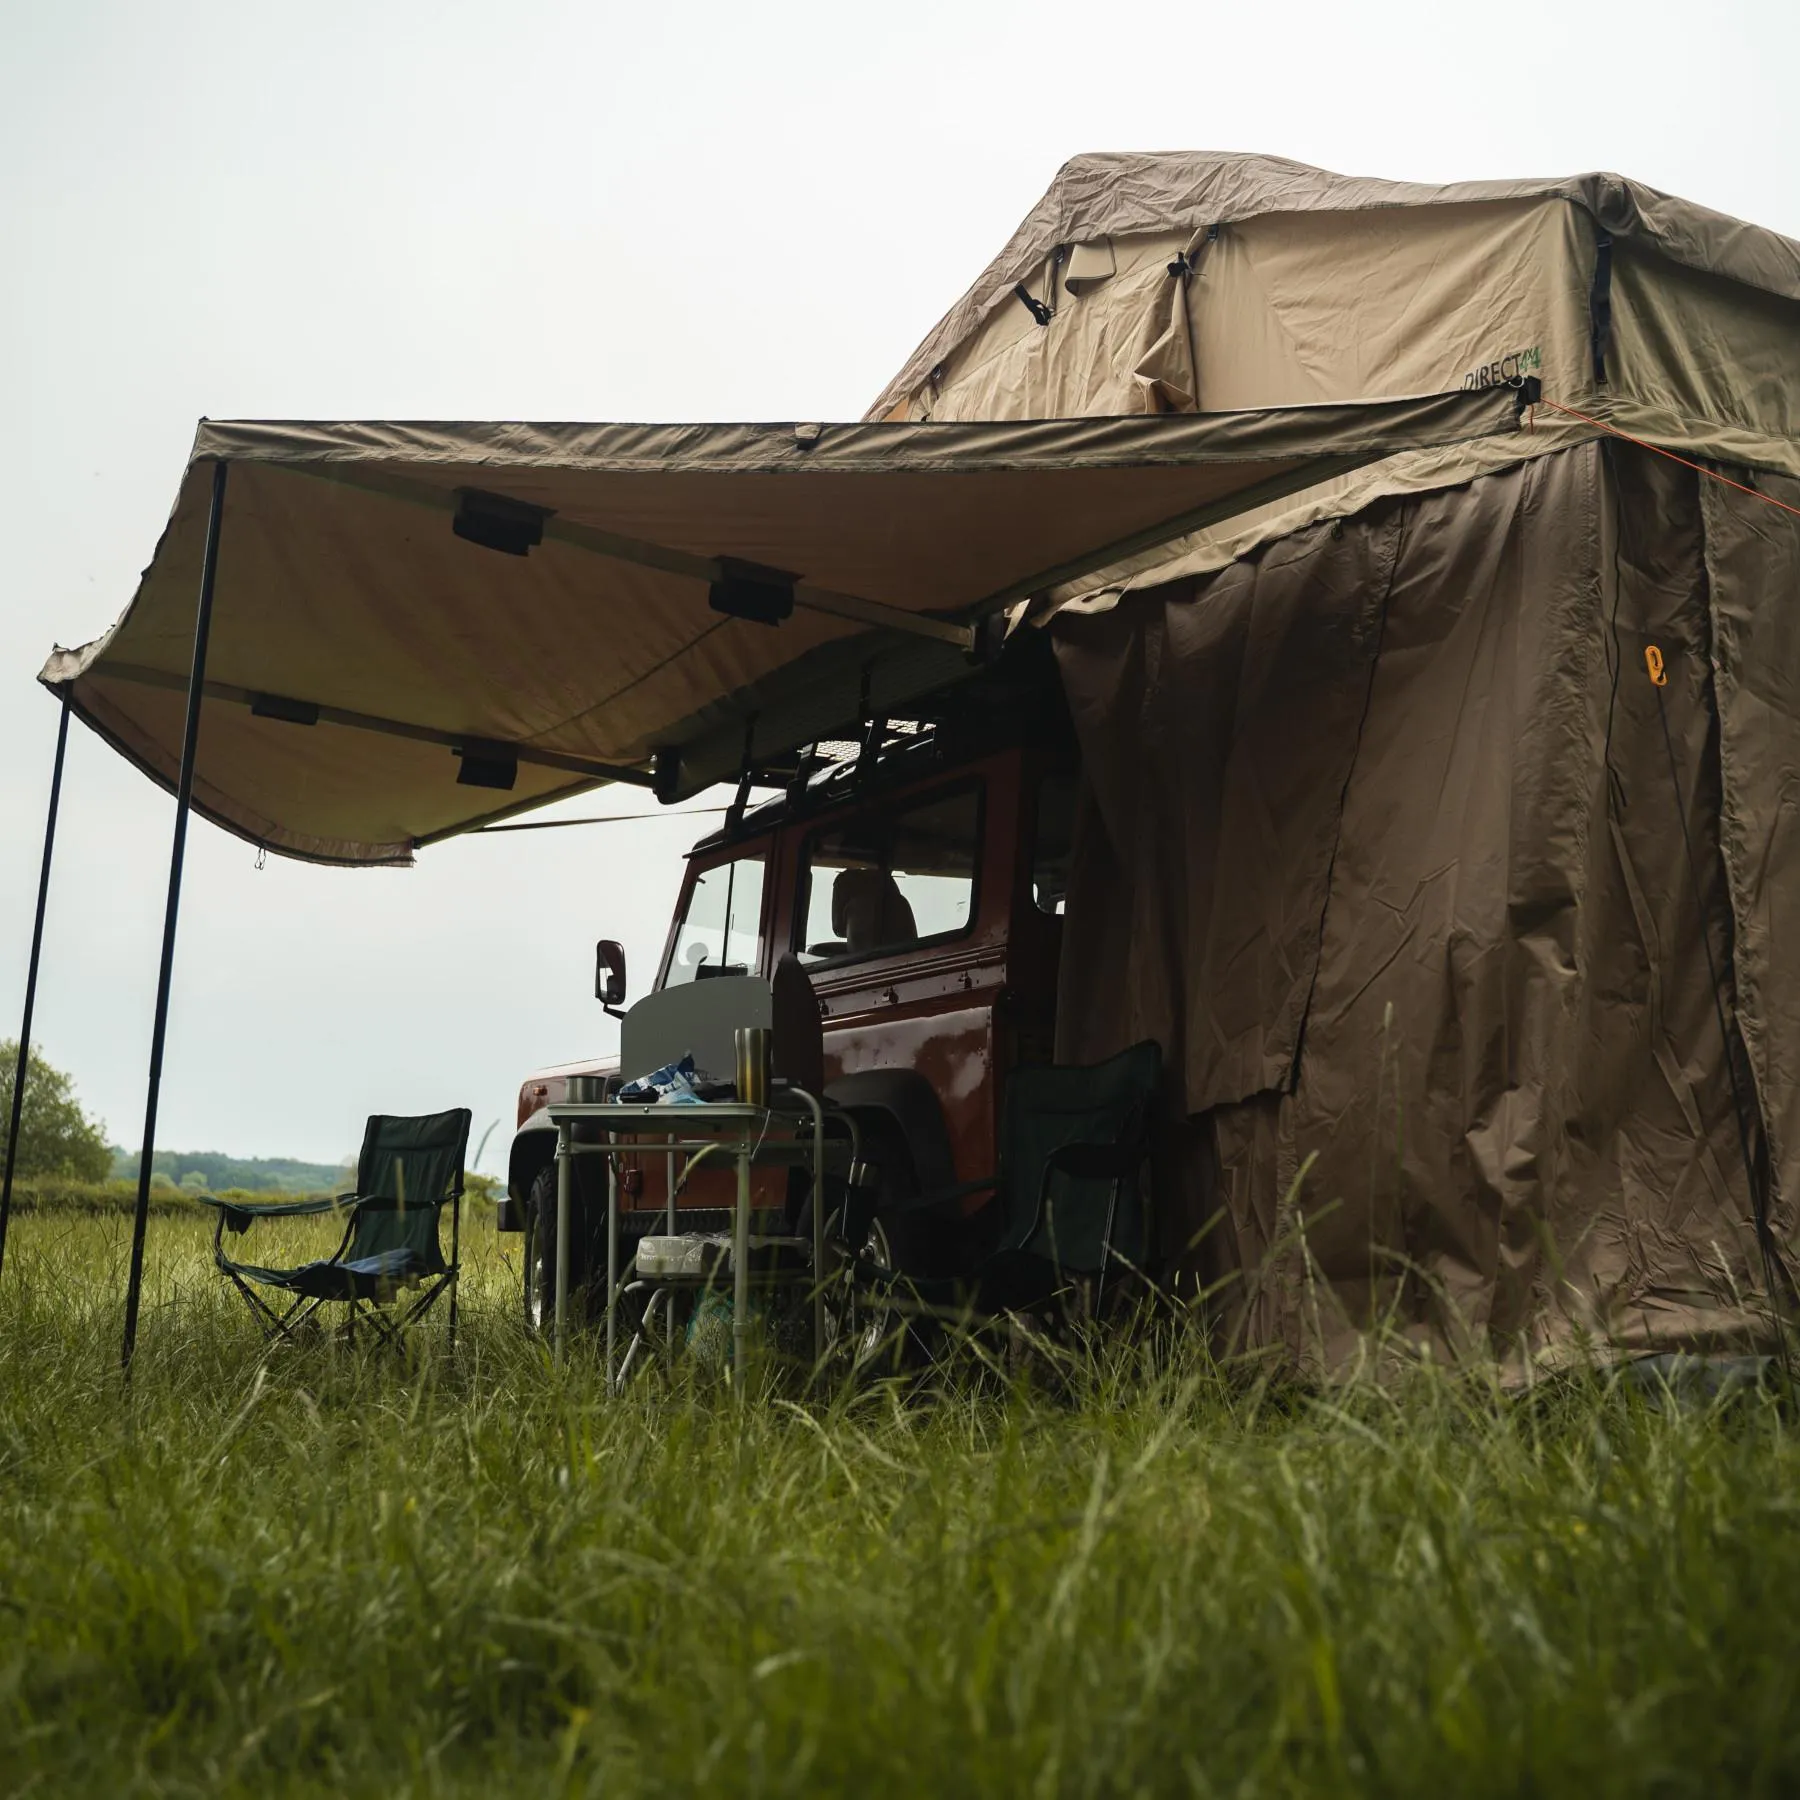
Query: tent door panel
{"x": 1753, "y": 584}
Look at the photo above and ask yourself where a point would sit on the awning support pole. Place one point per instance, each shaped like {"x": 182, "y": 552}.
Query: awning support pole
{"x": 23, "y": 1064}
{"x": 184, "y": 793}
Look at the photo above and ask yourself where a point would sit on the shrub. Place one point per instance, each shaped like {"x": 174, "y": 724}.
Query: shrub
{"x": 55, "y": 1136}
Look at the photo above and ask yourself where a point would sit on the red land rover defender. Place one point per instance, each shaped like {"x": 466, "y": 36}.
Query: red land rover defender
{"x": 918, "y": 874}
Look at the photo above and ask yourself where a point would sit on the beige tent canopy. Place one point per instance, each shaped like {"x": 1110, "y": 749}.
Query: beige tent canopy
{"x": 1183, "y": 281}
{"x": 1196, "y": 282}
{"x": 417, "y": 628}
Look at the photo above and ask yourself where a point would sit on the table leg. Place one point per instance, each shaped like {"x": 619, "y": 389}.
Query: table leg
{"x": 670, "y": 1226}
{"x": 740, "y": 1267}
{"x": 818, "y": 1223}
{"x": 818, "y": 1256}
{"x": 612, "y": 1265}
{"x": 564, "y": 1164}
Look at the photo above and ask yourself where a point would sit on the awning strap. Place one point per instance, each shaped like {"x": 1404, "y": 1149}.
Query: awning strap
{"x": 1038, "y": 310}
{"x": 1600, "y": 305}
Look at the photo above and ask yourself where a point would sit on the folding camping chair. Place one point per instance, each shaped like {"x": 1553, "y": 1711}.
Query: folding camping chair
{"x": 1069, "y": 1192}
{"x": 408, "y": 1172}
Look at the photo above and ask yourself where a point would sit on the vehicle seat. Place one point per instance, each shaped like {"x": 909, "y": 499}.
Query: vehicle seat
{"x": 797, "y": 1038}
{"x": 869, "y": 912}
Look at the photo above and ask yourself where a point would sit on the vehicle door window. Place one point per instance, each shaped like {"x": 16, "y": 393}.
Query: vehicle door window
{"x": 886, "y": 881}
{"x": 1052, "y": 841}
{"x": 721, "y": 929}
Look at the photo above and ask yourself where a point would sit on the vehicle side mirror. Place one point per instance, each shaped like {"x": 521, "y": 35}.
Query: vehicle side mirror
{"x": 609, "y": 973}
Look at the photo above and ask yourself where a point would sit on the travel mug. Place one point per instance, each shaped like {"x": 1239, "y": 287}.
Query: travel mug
{"x": 752, "y": 1046}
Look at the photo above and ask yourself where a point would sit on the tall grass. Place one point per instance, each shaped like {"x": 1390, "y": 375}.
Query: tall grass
{"x": 324, "y": 1569}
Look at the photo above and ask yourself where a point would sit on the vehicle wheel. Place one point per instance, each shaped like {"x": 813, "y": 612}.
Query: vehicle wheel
{"x": 540, "y": 1259}
{"x": 862, "y": 1330}
{"x": 868, "y": 1333}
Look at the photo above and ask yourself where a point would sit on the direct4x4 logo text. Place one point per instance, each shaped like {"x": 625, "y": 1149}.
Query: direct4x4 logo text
{"x": 1506, "y": 371}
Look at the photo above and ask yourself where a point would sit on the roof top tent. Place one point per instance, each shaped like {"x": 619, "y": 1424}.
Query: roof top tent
{"x": 1472, "y": 820}
{"x": 356, "y": 639}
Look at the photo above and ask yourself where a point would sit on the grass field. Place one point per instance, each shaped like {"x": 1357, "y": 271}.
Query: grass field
{"x": 326, "y": 1571}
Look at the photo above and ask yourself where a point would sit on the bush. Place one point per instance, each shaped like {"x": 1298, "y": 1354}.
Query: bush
{"x": 61, "y": 1193}
{"x": 56, "y": 1137}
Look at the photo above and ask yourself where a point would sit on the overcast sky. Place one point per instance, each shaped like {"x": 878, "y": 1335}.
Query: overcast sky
{"x": 399, "y": 209}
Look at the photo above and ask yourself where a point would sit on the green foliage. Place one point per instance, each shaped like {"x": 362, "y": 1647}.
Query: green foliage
{"x": 211, "y": 1171}
{"x": 57, "y": 1194}
{"x": 55, "y": 1136}
{"x": 324, "y": 1570}
{"x": 53, "y": 1193}
{"x": 49, "y": 1193}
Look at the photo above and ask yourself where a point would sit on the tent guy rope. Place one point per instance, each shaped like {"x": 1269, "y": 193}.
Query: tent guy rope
{"x": 1657, "y": 449}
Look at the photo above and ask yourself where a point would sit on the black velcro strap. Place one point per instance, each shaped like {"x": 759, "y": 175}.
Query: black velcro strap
{"x": 1187, "y": 261}
{"x": 1036, "y": 308}
{"x": 1600, "y": 304}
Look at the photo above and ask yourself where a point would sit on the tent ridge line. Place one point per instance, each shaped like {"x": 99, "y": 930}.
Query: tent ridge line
{"x": 1078, "y": 442}
{"x": 357, "y": 721}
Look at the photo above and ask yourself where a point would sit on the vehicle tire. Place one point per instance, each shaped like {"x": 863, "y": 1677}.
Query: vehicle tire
{"x": 864, "y": 1333}
{"x": 540, "y": 1258}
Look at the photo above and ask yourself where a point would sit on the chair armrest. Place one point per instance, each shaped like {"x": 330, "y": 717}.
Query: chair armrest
{"x": 239, "y": 1216}
{"x": 942, "y": 1197}
{"x": 1093, "y": 1162}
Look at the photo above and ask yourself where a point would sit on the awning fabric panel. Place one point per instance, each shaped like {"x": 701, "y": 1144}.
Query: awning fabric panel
{"x": 342, "y": 585}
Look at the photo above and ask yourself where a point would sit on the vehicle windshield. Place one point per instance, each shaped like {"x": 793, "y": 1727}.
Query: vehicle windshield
{"x": 721, "y": 930}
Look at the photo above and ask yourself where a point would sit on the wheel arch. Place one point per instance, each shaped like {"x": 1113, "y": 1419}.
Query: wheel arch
{"x": 533, "y": 1150}
{"x": 904, "y": 1099}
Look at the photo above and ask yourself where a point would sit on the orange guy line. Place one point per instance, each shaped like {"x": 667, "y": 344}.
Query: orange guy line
{"x": 1698, "y": 468}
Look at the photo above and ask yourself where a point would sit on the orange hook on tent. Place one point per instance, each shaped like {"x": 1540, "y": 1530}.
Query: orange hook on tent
{"x": 1653, "y": 661}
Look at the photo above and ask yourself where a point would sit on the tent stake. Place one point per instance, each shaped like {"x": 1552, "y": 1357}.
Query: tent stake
{"x": 184, "y": 793}
{"x": 23, "y": 1064}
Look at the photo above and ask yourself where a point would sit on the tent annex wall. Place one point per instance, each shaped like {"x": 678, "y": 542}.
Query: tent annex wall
{"x": 1448, "y": 900}
{"x": 403, "y": 631}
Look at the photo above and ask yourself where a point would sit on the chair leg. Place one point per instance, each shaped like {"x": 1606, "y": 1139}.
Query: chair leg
{"x": 386, "y": 1331}
{"x": 297, "y": 1314}
{"x": 391, "y": 1331}
{"x": 271, "y": 1323}
{"x": 455, "y": 1255}
{"x": 1112, "y": 1213}
{"x": 428, "y": 1299}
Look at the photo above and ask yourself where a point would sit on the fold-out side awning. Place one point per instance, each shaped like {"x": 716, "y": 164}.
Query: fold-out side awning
{"x": 417, "y": 628}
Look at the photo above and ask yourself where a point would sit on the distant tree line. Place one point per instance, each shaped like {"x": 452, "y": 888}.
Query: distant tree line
{"x": 211, "y": 1171}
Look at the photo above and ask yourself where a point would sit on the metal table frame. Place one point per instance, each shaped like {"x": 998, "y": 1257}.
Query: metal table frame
{"x": 741, "y": 1130}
